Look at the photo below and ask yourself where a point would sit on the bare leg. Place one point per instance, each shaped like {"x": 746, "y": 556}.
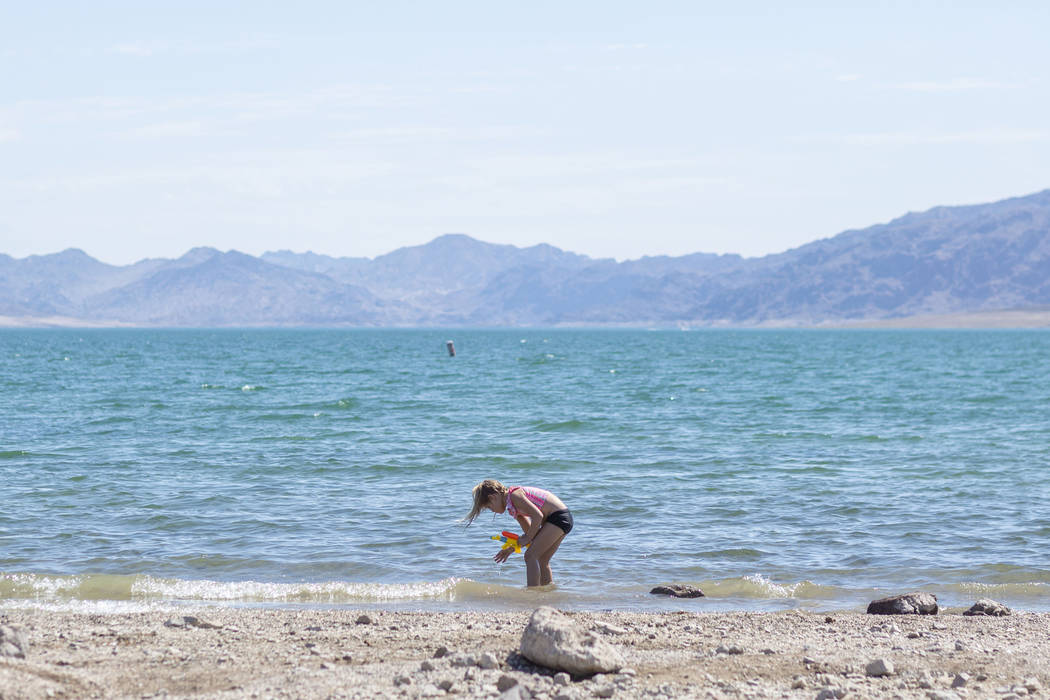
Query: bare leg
{"x": 538, "y": 555}
{"x": 546, "y": 576}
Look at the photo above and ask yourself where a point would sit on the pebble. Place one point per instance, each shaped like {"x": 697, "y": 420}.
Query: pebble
{"x": 403, "y": 680}
{"x": 488, "y": 661}
{"x": 447, "y": 685}
{"x": 562, "y": 679}
{"x": 606, "y": 628}
{"x": 426, "y": 666}
{"x": 506, "y": 682}
{"x": 960, "y": 680}
{"x": 187, "y": 621}
{"x": 605, "y": 691}
{"x": 364, "y": 620}
{"x": 464, "y": 660}
{"x": 440, "y": 652}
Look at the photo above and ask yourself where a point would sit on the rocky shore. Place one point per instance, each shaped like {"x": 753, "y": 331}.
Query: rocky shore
{"x": 263, "y": 653}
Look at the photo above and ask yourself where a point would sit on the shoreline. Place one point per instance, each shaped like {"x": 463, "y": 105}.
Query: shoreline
{"x": 998, "y": 319}
{"x": 366, "y": 653}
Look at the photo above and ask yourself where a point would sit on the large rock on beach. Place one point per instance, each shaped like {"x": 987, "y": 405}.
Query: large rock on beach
{"x": 991, "y": 608}
{"x": 13, "y": 642}
{"x": 917, "y": 603}
{"x": 553, "y": 640}
{"x": 678, "y": 590}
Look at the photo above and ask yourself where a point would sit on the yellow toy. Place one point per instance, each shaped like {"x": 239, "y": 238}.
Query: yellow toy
{"x": 510, "y": 541}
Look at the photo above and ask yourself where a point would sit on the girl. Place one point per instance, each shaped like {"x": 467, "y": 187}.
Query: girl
{"x": 542, "y": 516}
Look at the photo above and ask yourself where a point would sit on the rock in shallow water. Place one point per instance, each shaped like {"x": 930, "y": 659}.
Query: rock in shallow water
{"x": 553, "y": 640}
{"x": 678, "y": 590}
{"x": 984, "y": 606}
{"x": 917, "y": 603}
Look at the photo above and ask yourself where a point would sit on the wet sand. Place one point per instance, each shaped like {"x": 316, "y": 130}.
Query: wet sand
{"x": 265, "y": 653}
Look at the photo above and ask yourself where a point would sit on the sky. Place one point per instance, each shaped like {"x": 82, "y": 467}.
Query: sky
{"x": 613, "y": 129}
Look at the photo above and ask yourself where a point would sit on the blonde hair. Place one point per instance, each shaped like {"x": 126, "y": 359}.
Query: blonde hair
{"x": 481, "y": 493}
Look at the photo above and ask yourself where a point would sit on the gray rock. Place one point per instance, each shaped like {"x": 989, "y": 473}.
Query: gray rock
{"x": 605, "y": 691}
{"x": 678, "y": 590}
{"x": 917, "y": 603}
{"x": 13, "y": 641}
{"x": 364, "y": 620}
{"x": 464, "y": 660}
{"x": 960, "y": 680}
{"x": 506, "y": 682}
{"x": 988, "y": 607}
{"x": 562, "y": 679}
{"x": 403, "y": 680}
{"x": 879, "y": 668}
{"x": 1032, "y": 684}
{"x": 440, "y": 652}
{"x": 447, "y": 685}
{"x": 426, "y": 666}
{"x": 488, "y": 661}
{"x": 187, "y": 621}
{"x": 733, "y": 649}
{"x": 553, "y": 640}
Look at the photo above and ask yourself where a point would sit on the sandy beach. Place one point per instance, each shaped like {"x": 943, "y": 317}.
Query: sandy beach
{"x": 268, "y": 653}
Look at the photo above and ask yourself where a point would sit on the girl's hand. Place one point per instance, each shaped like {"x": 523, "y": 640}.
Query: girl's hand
{"x": 502, "y": 555}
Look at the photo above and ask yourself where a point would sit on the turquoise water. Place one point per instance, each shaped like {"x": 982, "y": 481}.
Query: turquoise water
{"x": 775, "y": 469}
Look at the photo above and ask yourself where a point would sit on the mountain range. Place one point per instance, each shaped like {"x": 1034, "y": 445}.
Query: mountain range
{"x": 946, "y": 260}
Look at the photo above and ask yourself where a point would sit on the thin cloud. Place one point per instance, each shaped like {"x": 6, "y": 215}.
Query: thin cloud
{"x": 920, "y": 138}
{"x": 165, "y": 130}
{"x": 146, "y": 48}
{"x": 8, "y": 135}
{"x": 954, "y": 85}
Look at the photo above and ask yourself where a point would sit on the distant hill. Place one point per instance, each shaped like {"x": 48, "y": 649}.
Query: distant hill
{"x": 947, "y": 260}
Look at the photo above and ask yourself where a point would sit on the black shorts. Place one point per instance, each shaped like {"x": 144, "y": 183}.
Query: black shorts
{"x": 561, "y": 518}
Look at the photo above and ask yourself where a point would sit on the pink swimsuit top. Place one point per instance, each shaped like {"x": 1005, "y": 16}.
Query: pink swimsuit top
{"x": 537, "y": 496}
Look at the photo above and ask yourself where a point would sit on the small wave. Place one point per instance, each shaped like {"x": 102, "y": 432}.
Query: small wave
{"x": 758, "y": 586}
{"x": 733, "y": 554}
{"x": 1009, "y": 591}
{"x": 13, "y": 454}
{"x": 112, "y": 420}
{"x": 252, "y": 387}
{"x": 46, "y": 588}
{"x": 559, "y": 426}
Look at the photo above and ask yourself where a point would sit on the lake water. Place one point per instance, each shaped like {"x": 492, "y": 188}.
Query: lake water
{"x": 774, "y": 469}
